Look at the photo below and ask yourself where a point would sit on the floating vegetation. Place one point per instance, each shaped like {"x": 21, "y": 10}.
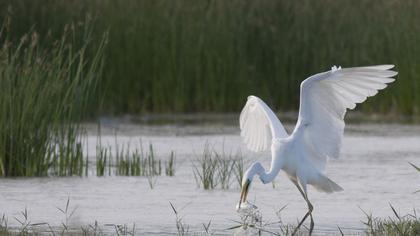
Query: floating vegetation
{"x": 44, "y": 91}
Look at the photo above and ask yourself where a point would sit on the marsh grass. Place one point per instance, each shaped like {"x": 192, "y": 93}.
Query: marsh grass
{"x": 182, "y": 228}
{"x": 137, "y": 162}
{"x": 205, "y": 169}
{"x": 132, "y": 161}
{"x": 44, "y": 91}
{"x": 27, "y": 228}
{"x": 225, "y": 168}
{"x": 214, "y": 169}
{"x": 404, "y": 225}
{"x": 250, "y": 223}
{"x": 3, "y": 225}
{"x": 124, "y": 229}
{"x": 207, "y": 229}
{"x": 92, "y": 229}
{"x": 102, "y": 158}
{"x": 170, "y": 165}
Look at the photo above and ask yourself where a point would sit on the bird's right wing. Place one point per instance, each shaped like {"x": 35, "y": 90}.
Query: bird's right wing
{"x": 259, "y": 125}
{"x": 324, "y": 99}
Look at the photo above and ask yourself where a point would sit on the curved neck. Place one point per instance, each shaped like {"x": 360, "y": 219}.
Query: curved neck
{"x": 269, "y": 176}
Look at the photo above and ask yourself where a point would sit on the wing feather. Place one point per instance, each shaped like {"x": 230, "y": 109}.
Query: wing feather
{"x": 324, "y": 99}
{"x": 259, "y": 125}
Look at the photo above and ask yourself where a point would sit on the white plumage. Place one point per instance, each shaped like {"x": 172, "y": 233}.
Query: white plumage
{"x": 259, "y": 125}
{"x": 324, "y": 99}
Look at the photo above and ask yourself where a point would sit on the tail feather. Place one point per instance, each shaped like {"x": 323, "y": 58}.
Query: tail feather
{"x": 324, "y": 184}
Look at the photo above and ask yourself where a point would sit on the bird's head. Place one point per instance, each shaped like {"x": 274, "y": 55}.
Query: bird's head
{"x": 255, "y": 168}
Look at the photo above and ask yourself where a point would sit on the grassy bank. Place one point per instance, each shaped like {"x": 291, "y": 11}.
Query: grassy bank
{"x": 208, "y": 55}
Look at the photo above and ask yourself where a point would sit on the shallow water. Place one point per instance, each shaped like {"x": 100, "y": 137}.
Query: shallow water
{"x": 373, "y": 170}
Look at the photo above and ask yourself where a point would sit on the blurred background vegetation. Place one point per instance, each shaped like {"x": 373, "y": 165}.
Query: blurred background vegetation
{"x": 209, "y": 55}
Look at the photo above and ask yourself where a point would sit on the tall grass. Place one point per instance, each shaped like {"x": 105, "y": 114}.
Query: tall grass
{"x": 205, "y": 169}
{"x": 137, "y": 162}
{"x": 44, "y": 91}
{"x": 208, "y": 55}
{"x": 214, "y": 169}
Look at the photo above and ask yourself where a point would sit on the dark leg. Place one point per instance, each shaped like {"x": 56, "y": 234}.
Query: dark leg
{"x": 309, "y": 213}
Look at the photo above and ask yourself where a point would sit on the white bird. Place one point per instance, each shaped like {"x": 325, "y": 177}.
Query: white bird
{"x": 303, "y": 155}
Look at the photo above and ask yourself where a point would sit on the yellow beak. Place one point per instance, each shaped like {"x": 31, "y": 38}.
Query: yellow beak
{"x": 244, "y": 192}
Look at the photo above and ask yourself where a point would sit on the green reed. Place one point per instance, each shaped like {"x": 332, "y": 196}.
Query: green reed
{"x": 170, "y": 165}
{"x": 205, "y": 169}
{"x": 136, "y": 162}
{"x": 225, "y": 169}
{"x": 127, "y": 161}
{"x": 214, "y": 169}
{"x": 45, "y": 86}
{"x": 102, "y": 158}
{"x": 208, "y": 55}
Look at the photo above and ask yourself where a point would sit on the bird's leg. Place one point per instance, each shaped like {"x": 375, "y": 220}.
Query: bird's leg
{"x": 309, "y": 213}
{"x": 310, "y": 208}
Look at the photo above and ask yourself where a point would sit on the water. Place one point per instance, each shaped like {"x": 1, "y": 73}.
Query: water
{"x": 373, "y": 170}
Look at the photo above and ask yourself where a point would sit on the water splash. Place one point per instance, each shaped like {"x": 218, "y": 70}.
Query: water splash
{"x": 251, "y": 219}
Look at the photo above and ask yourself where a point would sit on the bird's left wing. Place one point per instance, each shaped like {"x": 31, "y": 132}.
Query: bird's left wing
{"x": 324, "y": 99}
{"x": 259, "y": 125}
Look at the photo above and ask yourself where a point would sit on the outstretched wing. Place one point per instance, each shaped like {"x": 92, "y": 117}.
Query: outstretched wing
{"x": 259, "y": 125}
{"x": 324, "y": 99}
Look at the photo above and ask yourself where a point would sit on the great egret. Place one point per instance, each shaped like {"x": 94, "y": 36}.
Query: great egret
{"x": 324, "y": 99}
